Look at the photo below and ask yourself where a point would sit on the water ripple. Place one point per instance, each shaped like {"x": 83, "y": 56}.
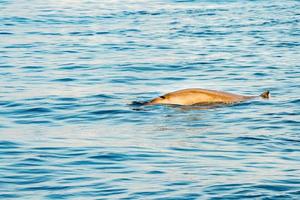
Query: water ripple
{"x": 73, "y": 77}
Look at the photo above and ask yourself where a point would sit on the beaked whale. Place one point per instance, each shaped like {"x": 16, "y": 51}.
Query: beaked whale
{"x": 196, "y": 96}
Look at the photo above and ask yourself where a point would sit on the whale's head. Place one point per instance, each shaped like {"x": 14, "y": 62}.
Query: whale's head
{"x": 159, "y": 100}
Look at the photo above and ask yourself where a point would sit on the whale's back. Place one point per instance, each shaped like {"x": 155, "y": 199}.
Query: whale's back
{"x": 197, "y": 96}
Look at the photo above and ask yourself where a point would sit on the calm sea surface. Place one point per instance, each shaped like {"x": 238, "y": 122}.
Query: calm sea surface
{"x": 70, "y": 70}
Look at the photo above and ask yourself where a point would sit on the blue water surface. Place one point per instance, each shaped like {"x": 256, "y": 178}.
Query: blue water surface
{"x": 70, "y": 70}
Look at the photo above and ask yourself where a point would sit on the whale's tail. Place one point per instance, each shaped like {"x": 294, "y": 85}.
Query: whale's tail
{"x": 265, "y": 94}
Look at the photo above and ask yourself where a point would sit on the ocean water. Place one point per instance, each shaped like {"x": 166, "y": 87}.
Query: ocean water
{"x": 70, "y": 70}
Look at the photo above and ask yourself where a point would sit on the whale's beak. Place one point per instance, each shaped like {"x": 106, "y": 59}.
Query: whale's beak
{"x": 157, "y": 100}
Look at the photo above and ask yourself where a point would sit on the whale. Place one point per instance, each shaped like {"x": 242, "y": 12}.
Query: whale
{"x": 197, "y": 96}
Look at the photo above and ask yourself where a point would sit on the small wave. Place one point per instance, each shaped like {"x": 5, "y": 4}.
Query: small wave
{"x": 36, "y": 110}
{"x": 108, "y": 112}
{"x": 6, "y": 33}
{"x": 64, "y": 80}
{"x": 102, "y": 96}
{"x": 32, "y": 121}
{"x": 8, "y": 145}
{"x": 33, "y": 67}
{"x": 74, "y": 67}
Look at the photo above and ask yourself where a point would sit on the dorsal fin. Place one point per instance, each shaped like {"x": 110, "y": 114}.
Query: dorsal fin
{"x": 266, "y": 94}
